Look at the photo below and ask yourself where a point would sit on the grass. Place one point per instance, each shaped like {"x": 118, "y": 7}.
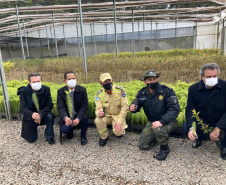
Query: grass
{"x": 177, "y": 64}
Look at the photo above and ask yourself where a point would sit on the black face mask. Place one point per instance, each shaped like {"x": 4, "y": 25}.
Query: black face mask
{"x": 108, "y": 86}
{"x": 152, "y": 85}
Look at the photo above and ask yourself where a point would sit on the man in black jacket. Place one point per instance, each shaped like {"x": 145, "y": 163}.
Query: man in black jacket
{"x": 79, "y": 99}
{"x": 161, "y": 107}
{"x": 208, "y": 97}
{"x": 33, "y": 117}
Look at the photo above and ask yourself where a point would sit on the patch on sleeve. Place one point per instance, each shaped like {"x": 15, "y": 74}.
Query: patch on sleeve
{"x": 98, "y": 92}
{"x": 121, "y": 88}
{"x": 123, "y": 94}
{"x": 174, "y": 98}
{"x": 97, "y": 98}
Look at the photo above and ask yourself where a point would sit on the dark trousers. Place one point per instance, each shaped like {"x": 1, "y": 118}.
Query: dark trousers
{"x": 203, "y": 136}
{"x": 49, "y": 133}
{"x": 83, "y": 124}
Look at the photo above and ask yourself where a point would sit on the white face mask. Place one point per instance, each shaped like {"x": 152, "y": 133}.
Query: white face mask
{"x": 36, "y": 86}
{"x": 210, "y": 82}
{"x": 71, "y": 83}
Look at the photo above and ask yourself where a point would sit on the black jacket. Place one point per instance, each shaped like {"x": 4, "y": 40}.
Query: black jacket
{"x": 27, "y": 108}
{"x": 80, "y": 102}
{"x": 162, "y": 106}
{"x": 210, "y": 103}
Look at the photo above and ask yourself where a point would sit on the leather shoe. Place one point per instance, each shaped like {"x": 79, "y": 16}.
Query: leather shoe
{"x": 51, "y": 141}
{"x": 163, "y": 153}
{"x": 83, "y": 141}
{"x": 70, "y": 135}
{"x": 196, "y": 143}
{"x": 103, "y": 142}
{"x": 223, "y": 153}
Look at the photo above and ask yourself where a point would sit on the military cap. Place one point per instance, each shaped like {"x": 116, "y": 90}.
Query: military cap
{"x": 148, "y": 74}
{"x": 105, "y": 76}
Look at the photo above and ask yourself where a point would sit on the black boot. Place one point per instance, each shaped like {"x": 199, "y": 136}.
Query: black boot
{"x": 163, "y": 152}
{"x": 196, "y": 143}
{"x": 223, "y": 153}
{"x": 103, "y": 142}
{"x": 83, "y": 140}
{"x": 70, "y": 135}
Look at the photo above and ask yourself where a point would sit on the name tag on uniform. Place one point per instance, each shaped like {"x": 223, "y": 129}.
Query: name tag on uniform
{"x": 142, "y": 98}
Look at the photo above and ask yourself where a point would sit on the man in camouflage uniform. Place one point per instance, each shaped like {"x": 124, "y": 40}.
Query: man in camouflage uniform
{"x": 161, "y": 107}
{"x": 111, "y": 108}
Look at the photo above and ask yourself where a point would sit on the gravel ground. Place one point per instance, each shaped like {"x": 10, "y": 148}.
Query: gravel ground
{"x": 119, "y": 162}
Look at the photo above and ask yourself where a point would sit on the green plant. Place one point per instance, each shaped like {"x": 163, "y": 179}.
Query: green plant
{"x": 194, "y": 128}
{"x": 69, "y": 104}
{"x": 206, "y": 129}
{"x": 35, "y": 100}
{"x": 175, "y": 65}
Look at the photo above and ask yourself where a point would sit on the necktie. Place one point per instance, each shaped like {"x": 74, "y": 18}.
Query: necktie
{"x": 72, "y": 100}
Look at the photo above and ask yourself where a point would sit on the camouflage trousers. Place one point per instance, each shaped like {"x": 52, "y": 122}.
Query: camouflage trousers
{"x": 150, "y": 137}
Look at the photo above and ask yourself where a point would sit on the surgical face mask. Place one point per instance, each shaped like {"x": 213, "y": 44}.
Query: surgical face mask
{"x": 108, "y": 86}
{"x": 210, "y": 82}
{"x": 71, "y": 83}
{"x": 36, "y": 86}
{"x": 152, "y": 85}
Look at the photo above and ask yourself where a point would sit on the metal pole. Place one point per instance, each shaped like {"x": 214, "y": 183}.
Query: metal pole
{"x": 195, "y": 36}
{"x": 106, "y": 26}
{"x": 65, "y": 48}
{"x": 40, "y": 43}
{"x": 133, "y": 46}
{"x": 25, "y": 34}
{"x": 217, "y": 34}
{"x": 175, "y": 34}
{"x": 116, "y": 43}
{"x": 51, "y": 38}
{"x": 79, "y": 53}
{"x": 143, "y": 31}
{"x": 55, "y": 35}
{"x": 92, "y": 43}
{"x": 47, "y": 40}
{"x": 222, "y": 38}
{"x": 138, "y": 36}
{"x": 4, "y": 90}
{"x": 122, "y": 37}
{"x": 21, "y": 40}
{"x": 83, "y": 39}
{"x": 156, "y": 35}
{"x": 95, "y": 44}
{"x": 151, "y": 35}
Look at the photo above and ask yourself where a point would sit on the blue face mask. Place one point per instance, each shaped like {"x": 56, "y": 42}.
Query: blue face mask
{"x": 152, "y": 85}
{"x": 108, "y": 86}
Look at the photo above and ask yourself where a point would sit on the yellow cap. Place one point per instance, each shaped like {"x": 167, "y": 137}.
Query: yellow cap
{"x": 105, "y": 76}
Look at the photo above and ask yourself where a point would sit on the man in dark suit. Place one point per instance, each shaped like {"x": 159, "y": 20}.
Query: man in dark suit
{"x": 79, "y": 99}
{"x": 208, "y": 97}
{"x": 33, "y": 117}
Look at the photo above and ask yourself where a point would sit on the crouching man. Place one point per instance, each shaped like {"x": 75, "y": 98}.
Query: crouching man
{"x": 161, "y": 107}
{"x": 32, "y": 117}
{"x": 111, "y": 109}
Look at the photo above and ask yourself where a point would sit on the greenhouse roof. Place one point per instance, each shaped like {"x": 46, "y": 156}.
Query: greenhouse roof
{"x": 36, "y": 17}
